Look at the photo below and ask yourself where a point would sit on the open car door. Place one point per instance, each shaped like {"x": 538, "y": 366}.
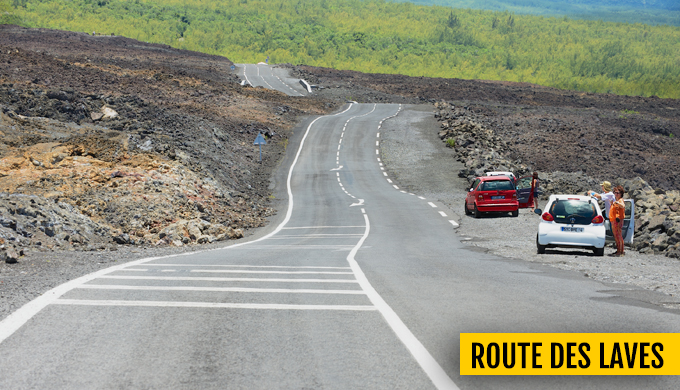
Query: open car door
{"x": 628, "y": 230}
{"x": 525, "y": 195}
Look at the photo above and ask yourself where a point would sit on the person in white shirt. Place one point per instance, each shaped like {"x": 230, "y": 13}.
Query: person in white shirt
{"x": 607, "y": 195}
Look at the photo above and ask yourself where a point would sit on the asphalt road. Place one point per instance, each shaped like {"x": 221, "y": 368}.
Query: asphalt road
{"x": 262, "y": 75}
{"x": 358, "y": 285}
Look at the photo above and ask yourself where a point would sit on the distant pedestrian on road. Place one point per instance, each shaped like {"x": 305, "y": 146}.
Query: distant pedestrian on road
{"x": 534, "y": 190}
{"x": 616, "y": 215}
{"x": 607, "y": 195}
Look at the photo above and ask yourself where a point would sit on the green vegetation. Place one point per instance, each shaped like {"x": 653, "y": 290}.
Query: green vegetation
{"x": 7, "y": 14}
{"x": 383, "y": 37}
{"x": 451, "y": 142}
{"x": 627, "y": 11}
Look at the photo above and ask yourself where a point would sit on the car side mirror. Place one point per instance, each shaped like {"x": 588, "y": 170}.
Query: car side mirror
{"x": 538, "y": 211}
{"x": 470, "y": 190}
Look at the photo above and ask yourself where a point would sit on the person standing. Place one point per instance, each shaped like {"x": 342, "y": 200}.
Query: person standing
{"x": 534, "y": 191}
{"x": 607, "y": 196}
{"x": 616, "y": 215}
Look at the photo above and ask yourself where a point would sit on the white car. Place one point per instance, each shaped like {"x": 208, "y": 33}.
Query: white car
{"x": 571, "y": 221}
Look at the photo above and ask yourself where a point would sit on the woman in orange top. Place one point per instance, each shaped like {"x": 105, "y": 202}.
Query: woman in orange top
{"x": 617, "y": 213}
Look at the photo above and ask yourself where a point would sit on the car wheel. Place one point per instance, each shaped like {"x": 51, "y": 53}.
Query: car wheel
{"x": 540, "y": 249}
{"x": 478, "y": 214}
{"x": 515, "y": 213}
{"x": 599, "y": 251}
{"x": 467, "y": 212}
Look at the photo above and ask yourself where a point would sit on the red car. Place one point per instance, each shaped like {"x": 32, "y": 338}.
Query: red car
{"x": 492, "y": 194}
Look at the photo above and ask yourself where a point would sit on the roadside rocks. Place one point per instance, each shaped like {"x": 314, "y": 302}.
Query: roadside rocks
{"x": 657, "y": 220}
{"x": 8, "y": 254}
{"x": 73, "y": 187}
{"x": 43, "y": 224}
{"x": 657, "y": 211}
{"x": 476, "y": 145}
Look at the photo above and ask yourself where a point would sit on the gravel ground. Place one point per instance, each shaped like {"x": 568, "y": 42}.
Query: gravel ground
{"x": 418, "y": 161}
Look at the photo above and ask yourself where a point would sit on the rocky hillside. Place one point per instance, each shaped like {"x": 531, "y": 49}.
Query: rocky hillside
{"x": 106, "y": 140}
{"x": 480, "y": 143}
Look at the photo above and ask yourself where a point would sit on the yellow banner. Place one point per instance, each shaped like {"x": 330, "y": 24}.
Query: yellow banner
{"x": 570, "y": 353}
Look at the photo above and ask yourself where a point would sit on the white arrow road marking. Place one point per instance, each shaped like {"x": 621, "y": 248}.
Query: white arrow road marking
{"x": 337, "y": 169}
{"x": 360, "y": 203}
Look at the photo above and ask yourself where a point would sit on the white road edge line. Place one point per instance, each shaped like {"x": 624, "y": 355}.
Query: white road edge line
{"x": 433, "y": 370}
{"x": 17, "y": 319}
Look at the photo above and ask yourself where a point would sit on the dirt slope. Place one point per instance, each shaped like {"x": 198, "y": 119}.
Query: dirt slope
{"x": 153, "y": 144}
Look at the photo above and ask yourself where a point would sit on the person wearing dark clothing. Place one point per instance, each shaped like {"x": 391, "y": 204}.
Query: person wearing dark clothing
{"x": 534, "y": 190}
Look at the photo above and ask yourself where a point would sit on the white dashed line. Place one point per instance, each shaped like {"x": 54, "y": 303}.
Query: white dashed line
{"x": 443, "y": 214}
{"x": 432, "y": 204}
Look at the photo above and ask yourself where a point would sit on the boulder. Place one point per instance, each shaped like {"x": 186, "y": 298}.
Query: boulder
{"x": 657, "y": 222}
{"x": 9, "y": 255}
{"x": 660, "y": 243}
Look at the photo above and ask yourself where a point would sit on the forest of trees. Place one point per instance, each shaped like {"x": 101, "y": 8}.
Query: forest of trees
{"x": 7, "y": 13}
{"x": 384, "y": 37}
{"x": 628, "y": 11}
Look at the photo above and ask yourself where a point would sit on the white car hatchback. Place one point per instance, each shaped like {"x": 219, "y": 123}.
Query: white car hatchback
{"x": 571, "y": 221}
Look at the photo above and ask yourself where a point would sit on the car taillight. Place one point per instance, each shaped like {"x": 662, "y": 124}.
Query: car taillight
{"x": 598, "y": 219}
{"x": 547, "y": 217}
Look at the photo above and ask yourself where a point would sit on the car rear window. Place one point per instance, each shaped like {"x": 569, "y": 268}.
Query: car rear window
{"x": 497, "y": 185}
{"x": 577, "y": 212}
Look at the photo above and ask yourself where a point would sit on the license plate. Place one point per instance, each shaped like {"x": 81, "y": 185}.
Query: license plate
{"x": 498, "y": 197}
{"x": 572, "y": 229}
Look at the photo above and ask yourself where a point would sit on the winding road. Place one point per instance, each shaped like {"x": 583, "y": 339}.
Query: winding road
{"x": 358, "y": 285}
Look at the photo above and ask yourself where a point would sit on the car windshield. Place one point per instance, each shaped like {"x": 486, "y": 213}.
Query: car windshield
{"x": 576, "y": 212}
{"x": 497, "y": 185}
